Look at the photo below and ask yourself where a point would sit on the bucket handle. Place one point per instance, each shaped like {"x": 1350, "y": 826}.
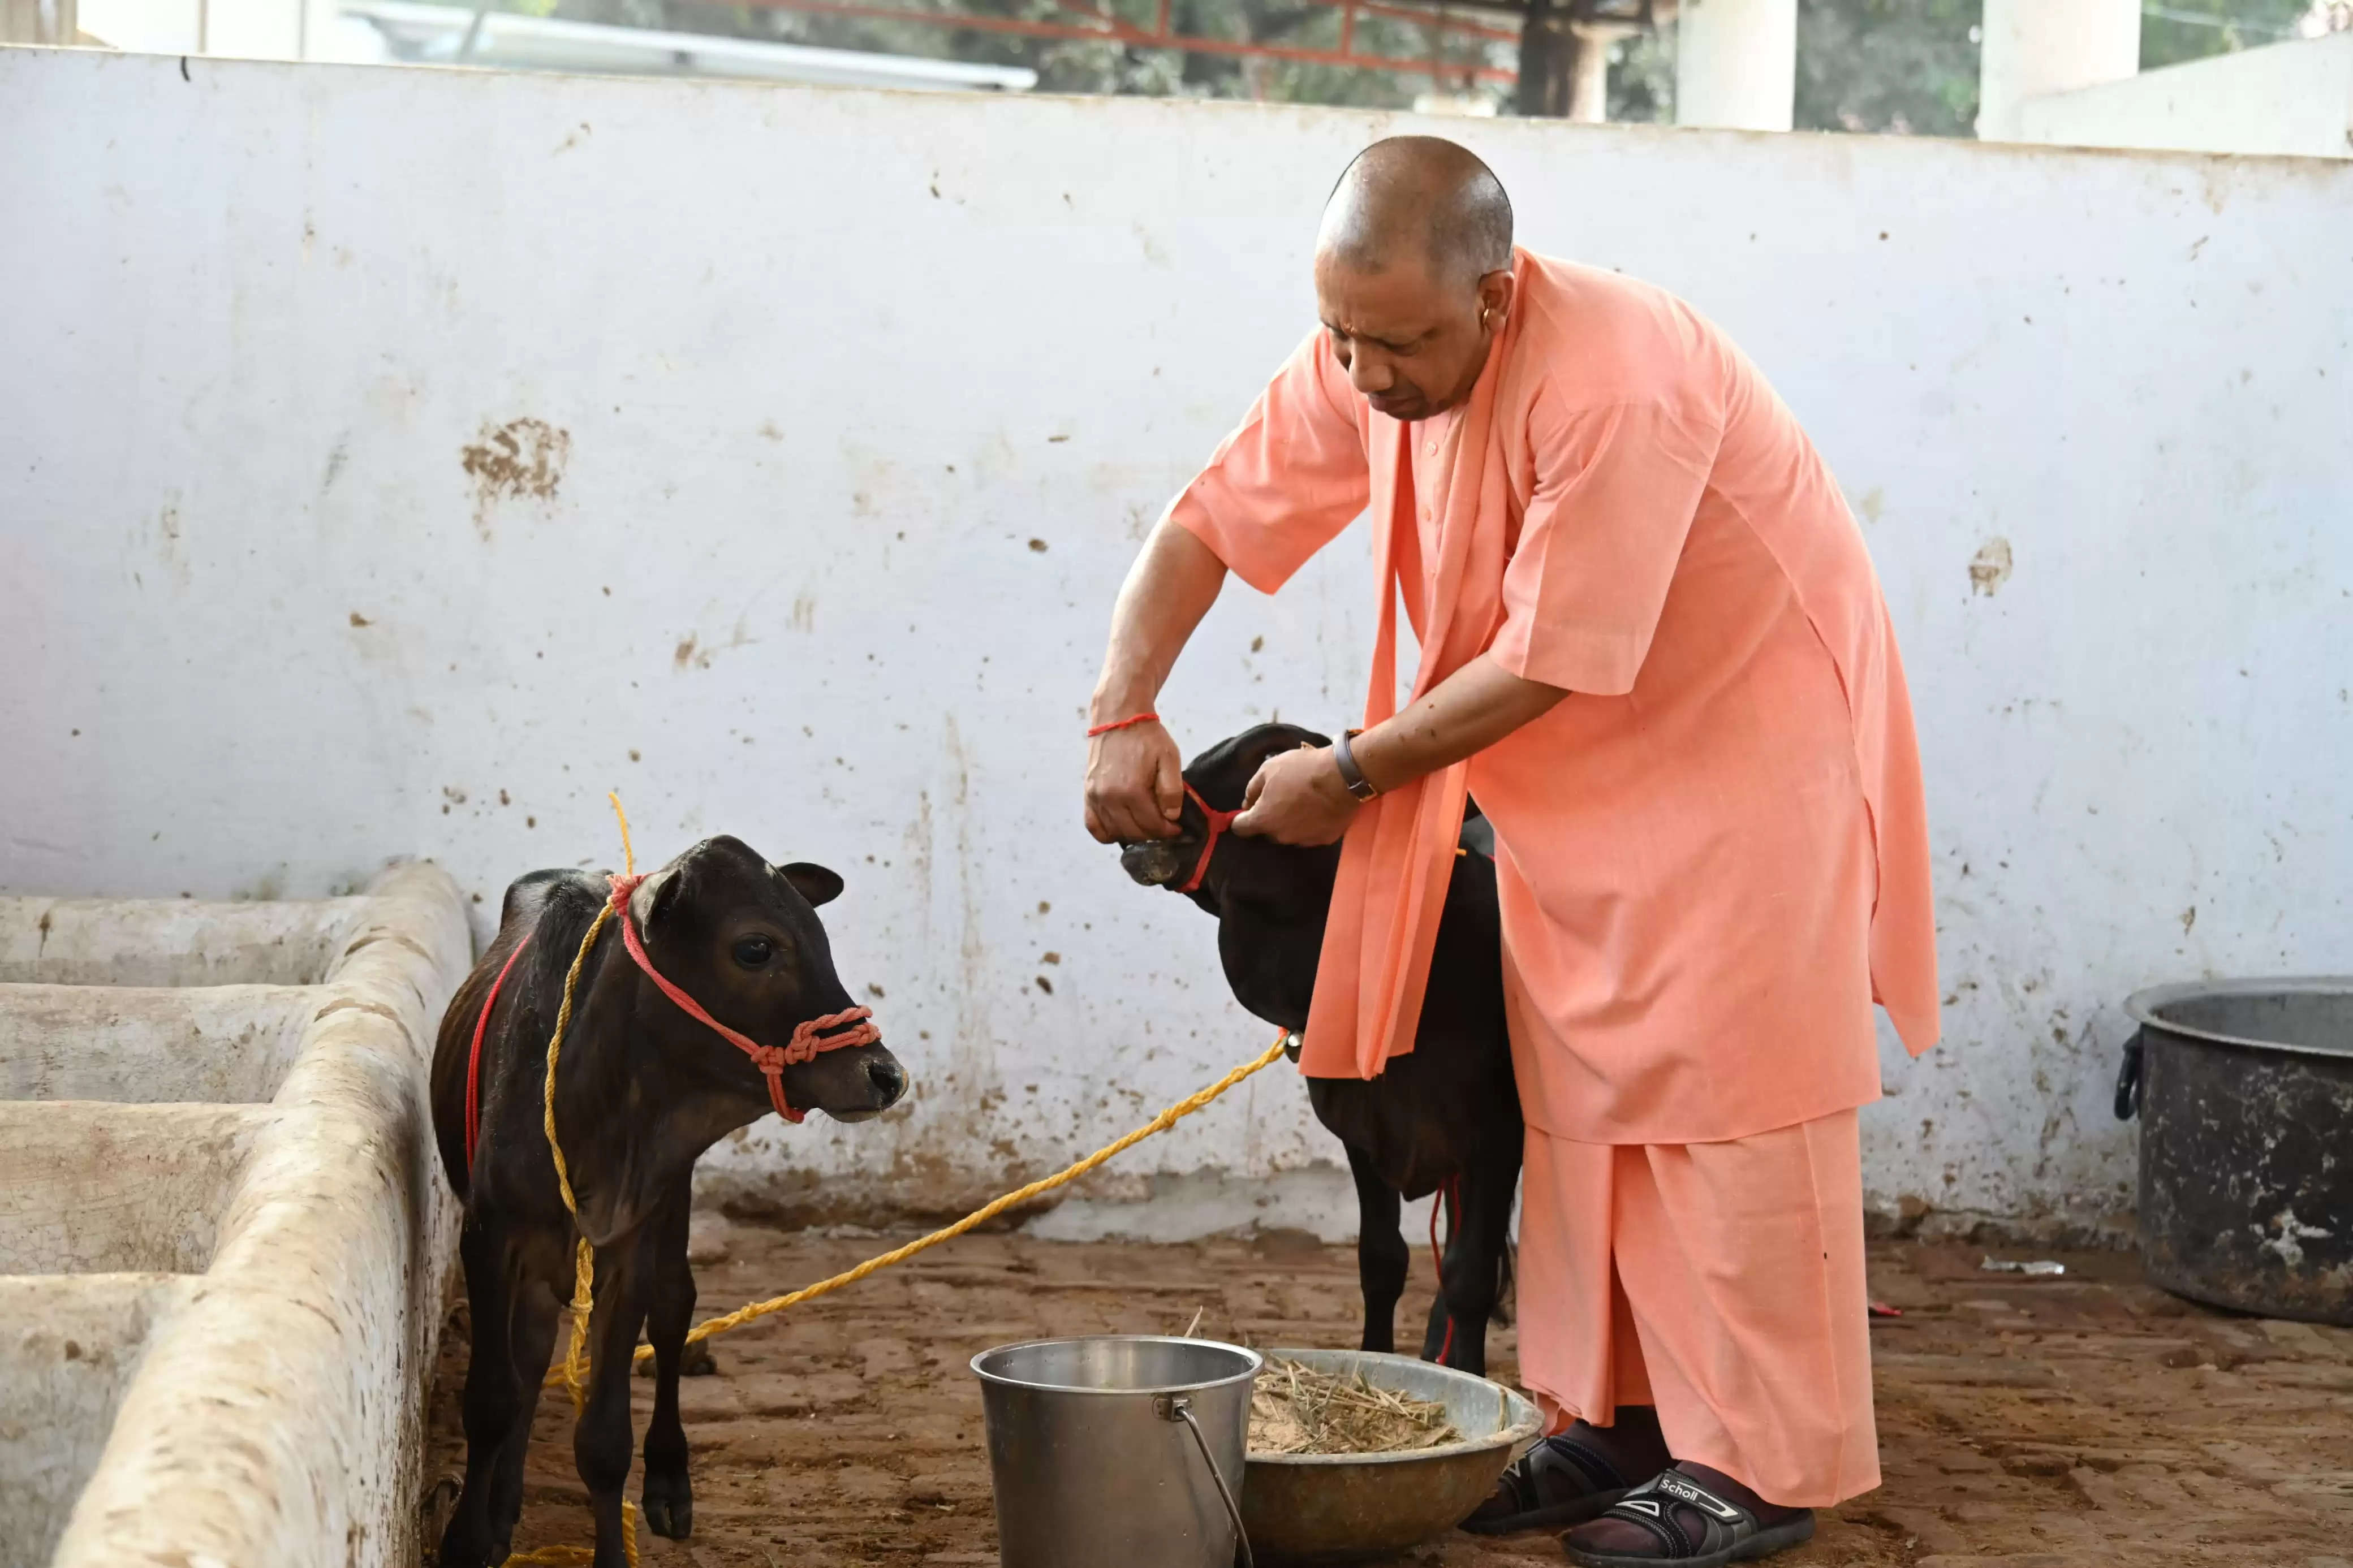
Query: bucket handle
{"x": 2128, "y": 1080}
{"x": 1178, "y": 1408}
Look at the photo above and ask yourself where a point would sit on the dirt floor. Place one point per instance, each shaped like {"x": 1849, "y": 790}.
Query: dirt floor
{"x": 2046, "y": 1423}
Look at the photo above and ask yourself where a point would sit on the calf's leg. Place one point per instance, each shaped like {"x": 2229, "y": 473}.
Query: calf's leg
{"x": 600, "y": 1439}
{"x": 668, "y": 1492}
{"x": 490, "y": 1398}
{"x": 1382, "y": 1256}
{"x": 1442, "y": 1335}
{"x": 534, "y": 1320}
{"x": 1471, "y": 1275}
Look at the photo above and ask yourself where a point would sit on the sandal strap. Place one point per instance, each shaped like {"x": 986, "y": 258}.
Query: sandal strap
{"x": 1590, "y": 1468}
{"x": 1658, "y": 1518}
{"x": 1653, "y": 1505}
{"x": 1729, "y": 1516}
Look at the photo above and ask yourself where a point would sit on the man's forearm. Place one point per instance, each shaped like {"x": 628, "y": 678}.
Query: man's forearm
{"x": 1171, "y": 586}
{"x": 1467, "y": 711}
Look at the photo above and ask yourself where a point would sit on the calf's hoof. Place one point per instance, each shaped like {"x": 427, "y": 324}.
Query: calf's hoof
{"x": 465, "y": 1548}
{"x": 695, "y": 1361}
{"x": 668, "y": 1506}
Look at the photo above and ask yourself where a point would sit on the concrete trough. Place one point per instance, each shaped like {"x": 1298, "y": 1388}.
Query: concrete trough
{"x": 224, "y": 1237}
{"x": 170, "y": 942}
{"x": 88, "y": 1188}
{"x": 228, "y": 1044}
{"x": 67, "y": 1352}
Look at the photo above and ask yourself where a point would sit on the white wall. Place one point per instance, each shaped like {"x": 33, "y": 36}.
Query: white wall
{"x": 2293, "y": 97}
{"x": 829, "y": 362}
{"x": 2032, "y": 47}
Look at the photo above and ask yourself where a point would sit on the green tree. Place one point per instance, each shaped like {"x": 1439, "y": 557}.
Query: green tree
{"x": 1643, "y": 78}
{"x": 2193, "y": 30}
{"x": 1911, "y": 65}
{"x": 1901, "y": 66}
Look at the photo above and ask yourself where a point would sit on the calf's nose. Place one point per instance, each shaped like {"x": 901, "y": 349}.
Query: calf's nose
{"x": 890, "y": 1081}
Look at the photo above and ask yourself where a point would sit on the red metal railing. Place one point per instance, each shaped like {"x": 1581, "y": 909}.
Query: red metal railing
{"x": 1092, "y": 23}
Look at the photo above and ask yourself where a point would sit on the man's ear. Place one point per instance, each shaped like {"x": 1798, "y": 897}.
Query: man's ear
{"x": 813, "y": 882}
{"x": 1496, "y": 291}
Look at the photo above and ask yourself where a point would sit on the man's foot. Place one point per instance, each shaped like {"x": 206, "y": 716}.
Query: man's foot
{"x": 1690, "y": 1516}
{"x": 1571, "y": 1477}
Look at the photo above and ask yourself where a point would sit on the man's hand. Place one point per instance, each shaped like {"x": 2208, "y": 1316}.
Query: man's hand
{"x": 1135, "y": 785}
{"x": 1297, "y": 797}
{"x": 1135, "y": 778}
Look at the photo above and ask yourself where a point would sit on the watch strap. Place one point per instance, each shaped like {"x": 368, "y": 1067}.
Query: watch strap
{"x": 1344, "y": 754}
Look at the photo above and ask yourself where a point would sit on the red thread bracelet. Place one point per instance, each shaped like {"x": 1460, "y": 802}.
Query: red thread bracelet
{"x": 1124, "y": 723}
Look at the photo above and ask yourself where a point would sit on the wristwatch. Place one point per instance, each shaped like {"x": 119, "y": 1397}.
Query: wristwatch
{"x": 1350, "y": 773}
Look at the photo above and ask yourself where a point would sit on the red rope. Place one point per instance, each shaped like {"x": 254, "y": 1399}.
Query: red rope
{"x": 1132, "y": 718}
{"x": 809, "y": 1037}
{"x": 1219, "y": 822}
{"x": 474, "y": 1058}
{"x": 1445, "y": 1198}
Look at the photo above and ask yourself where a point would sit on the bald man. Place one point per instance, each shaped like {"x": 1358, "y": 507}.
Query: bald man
{"x": 1653, "y": 647}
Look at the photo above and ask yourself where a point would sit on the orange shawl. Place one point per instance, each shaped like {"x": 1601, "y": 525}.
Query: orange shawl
{"x": 1399, "y": 852}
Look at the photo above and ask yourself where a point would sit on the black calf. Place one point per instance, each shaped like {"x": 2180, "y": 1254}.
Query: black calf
{"x": 1445, "y": 1118}
{"x": 642, "y": 1089}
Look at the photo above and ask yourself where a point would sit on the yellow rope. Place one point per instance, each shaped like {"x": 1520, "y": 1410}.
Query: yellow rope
{"x": 982, "y": 1215}
{"x": 584, "y": 1258}
{"x": 580, "y": 1556}
{"x": 986, "y": 1212}
{"x": 571, "y": 1374}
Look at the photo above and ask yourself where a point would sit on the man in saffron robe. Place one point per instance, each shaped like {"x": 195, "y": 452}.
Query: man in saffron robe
{"x": 1654, "y": 649}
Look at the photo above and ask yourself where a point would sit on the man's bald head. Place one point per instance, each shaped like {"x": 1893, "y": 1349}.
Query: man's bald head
{"x": 1413, "y": 274}
{"x": 1421, "y": 199}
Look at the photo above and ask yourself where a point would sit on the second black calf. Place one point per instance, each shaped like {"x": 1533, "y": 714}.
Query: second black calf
{"x": 1445, "y": 1118}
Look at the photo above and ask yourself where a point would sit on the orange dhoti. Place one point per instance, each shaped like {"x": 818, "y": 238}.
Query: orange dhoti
{"x": 1723, "y": 1283}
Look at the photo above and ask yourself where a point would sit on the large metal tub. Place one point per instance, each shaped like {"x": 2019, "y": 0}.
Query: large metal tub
{"x": 2244, "y": 1090}
{"x": 1347, "y": 1508}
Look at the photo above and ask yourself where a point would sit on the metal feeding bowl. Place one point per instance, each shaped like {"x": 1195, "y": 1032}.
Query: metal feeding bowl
{"x": 1315, "y": 1508}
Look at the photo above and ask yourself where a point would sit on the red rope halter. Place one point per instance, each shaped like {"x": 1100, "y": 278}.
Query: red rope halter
{"x": 1219, "y": 822}
{"x": 809, "y": 1036}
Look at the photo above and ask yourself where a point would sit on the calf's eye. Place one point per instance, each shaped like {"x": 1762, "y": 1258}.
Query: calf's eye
{"x": 751, "y": 951}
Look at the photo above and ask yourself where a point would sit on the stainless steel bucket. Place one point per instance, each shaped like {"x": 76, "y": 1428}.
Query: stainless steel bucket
{"x": 1117, "y": 1451}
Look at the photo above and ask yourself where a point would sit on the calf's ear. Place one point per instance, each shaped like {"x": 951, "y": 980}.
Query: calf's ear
{"x": 657, "y": 897}
{"x": 815, "y": 883}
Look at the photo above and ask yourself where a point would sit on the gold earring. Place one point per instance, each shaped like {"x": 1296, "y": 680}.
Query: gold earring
{"x": 1485, "y": 311}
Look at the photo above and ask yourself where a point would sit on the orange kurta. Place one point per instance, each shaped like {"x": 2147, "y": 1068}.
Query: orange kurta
{"x": 1713, "y": 857}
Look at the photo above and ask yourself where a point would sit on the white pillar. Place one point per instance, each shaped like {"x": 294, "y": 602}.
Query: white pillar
{"x": 36, "y": 21}
{"x": 1737, "y": 63}
{"x": 2034, "y": 47}
{"x": 1588, "y": 82}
